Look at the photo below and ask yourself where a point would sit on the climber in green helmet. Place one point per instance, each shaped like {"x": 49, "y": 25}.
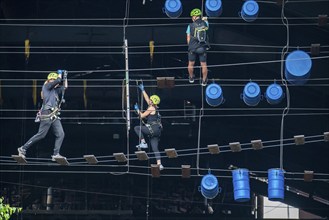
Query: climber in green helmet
{"x": 196, "y": 35}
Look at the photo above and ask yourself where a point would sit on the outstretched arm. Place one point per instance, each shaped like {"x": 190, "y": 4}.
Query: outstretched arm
{"x": 146, "y": 97}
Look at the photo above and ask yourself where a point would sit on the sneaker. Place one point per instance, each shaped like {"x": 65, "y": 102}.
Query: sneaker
{"x": 204, "y": 82}
{"x": 161, "y": 167}
{"x": 21, "y": 152}
{"x": 142, "y": 145}
{"x": 191, "y": 79}
{"x": 53, "y": 157}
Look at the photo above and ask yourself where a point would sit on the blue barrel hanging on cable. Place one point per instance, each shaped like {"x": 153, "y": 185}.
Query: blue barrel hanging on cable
{"x": 209, "y": 186}
{"x": 251, "y": 94}
{"x": 275, "y": 184}
{"x": 249, "y": 11}
{"x": 173, "y": 8}
{"x": 241, "y": 188}
{"x": 274, "y": 94}
{"x": 214, "y": 8}
{"x": 214, "y": 95}
{"x": 298, "y": 67}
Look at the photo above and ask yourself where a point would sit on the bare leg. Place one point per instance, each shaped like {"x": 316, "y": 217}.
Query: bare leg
{"x": 204, "y": 70}
{"x": 190, "y": 68}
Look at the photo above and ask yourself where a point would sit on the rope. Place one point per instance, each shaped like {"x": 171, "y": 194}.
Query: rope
{"x": 284, "y": 82}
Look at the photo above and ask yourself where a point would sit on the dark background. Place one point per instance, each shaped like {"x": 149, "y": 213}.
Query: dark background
{"x": 86, "y": 38}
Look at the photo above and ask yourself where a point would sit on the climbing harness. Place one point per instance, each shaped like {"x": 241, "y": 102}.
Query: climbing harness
{"x": 54, "y": 114}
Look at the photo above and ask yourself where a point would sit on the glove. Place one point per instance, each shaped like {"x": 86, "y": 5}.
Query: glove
{"x": 141, "y": 87}
{"x": 136, "y": 107}
{"x": 60, "y": 73}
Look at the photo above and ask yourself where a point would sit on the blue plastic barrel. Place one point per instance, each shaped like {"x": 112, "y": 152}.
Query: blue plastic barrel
{"x": 214, "y": 8}
{"x": 274, "y": 94}
{"x": 249, "y": 11}
{"x": 214, "y": 95}
{"x": 173, "y": 8}
{"x": 209, "y": 186}
{"x": 275, "y": 184}
{"x": 298, "y": 67}
{"x": 241, "y": 186}
{"x": 251, "y": 94}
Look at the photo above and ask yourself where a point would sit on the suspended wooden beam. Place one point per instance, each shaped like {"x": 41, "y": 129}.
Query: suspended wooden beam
{"x": 91, "y": 159}
{"x": 155, "y": 170}
{"x": 315, "y": 49}
{"x": 326, "y": 136}
{"x": 120, "y": 157}
{"x": 299, "y": 139}
{"x": 308, "y": 175}
{"x": 235, "y": 146}
{"x": 62, "y": 161}
{"x": 257, "y": 144}
{"x": 165, "y": 82}
{"x": 171, "y": 153}
{"x": 141, "y": 155}
{"x": 19, "y": 159}
{"x": 322, "y": 20}
{"x": 213, "y": 148}
{"x": 186, "y": 171}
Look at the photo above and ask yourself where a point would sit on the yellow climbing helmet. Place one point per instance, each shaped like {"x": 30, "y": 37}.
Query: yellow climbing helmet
{"x": 52, "y": 75}
{"x": 195, "y": 12}
{"x": 155, "y": 99}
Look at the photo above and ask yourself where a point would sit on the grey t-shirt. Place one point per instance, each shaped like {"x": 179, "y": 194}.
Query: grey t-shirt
{"x": 51, "y": 94}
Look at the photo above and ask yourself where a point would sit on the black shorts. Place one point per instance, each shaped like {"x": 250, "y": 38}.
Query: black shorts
{"x": 202, "y": 56}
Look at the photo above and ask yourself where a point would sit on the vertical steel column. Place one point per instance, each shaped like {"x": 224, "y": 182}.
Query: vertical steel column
{"x": 127, "y": 96}
{"x": 49, "y": 198}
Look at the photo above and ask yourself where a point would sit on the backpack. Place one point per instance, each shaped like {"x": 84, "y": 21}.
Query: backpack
{"x": 199, "y": 30}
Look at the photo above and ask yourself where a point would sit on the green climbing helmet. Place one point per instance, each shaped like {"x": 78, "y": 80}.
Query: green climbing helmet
{"x": 52, "y": 75}
{"x": 195, "y": 12}
{"x": 155, "y": 99}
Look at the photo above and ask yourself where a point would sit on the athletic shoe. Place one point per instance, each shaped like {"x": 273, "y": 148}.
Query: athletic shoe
{"x": 191, "y": 79}
{"x": 204, "y": 82}
{"x": 21, "y": 152}
{"x": 142, "y": 145}
{"x": 161, "y": 167}
{"x": 57, "y": 156}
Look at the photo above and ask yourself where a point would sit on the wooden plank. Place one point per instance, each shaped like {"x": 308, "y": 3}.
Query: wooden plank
{"x": 91, "y": 159}
{"x": 19, "y": 159}
{"x": 62, "y": 161}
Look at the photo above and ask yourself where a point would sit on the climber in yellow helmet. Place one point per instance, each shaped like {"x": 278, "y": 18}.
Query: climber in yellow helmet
{"x": 49, "y": 112}
{"x": 197, "y": 40}
{"x": 153, "y": 127}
